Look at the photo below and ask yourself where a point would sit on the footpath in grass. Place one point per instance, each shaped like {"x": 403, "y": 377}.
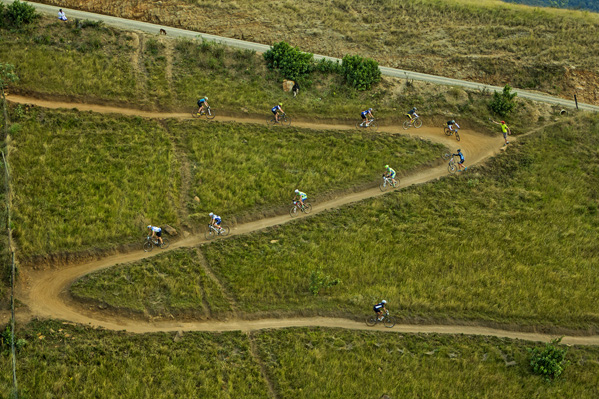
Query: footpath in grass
{"x": 238, "y": 168}
{"x": 60, "y": 360}
{"x": 86, "y": 181}
{"x": 316, "y": 363}
{"x": 513, "y": 241}
{"x": 172, "y": 284}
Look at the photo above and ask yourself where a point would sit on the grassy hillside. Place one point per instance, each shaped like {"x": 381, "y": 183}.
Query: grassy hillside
{"x": 487, "y": 41}
{"x": 66, "y": 361}
{"x": 510, "y": 242}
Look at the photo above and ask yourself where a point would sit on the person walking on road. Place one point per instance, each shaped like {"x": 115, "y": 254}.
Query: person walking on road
{"x": 504, "y": 129}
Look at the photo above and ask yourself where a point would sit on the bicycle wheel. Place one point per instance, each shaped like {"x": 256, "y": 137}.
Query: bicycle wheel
{"x": 417, "y": 123}
{"x": 370, "y": 321}
{"x": 271, "y": 121}
{"x": 373, "y": 126}
{"x": 457, "y": 136}
{"x": 293, "y": 212}
{"x": 210, "y": 114}
{"x": 148, "y": 246}
{"x": 225, "y": 231}
{"x": 285, "y": 120}
{"x": 358, "y": 125}
{"x": 389, "y": 321}
{"x": 307, "y": 208}
{"x": 165, "y": 243}
{"x": 406, "y": 125}
{"x": 383, "y": 186}
{"x": 209, "y": 234}
{"x": 396, "y": 184}
{"x": 195, "y": 114}
{"x": 446, "y": 156}
{"x": 447, "y": 131}
{"x": 451, "y": 167}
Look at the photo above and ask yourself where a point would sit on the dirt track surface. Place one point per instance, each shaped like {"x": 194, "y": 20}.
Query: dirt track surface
{"x": 46, "y": 292}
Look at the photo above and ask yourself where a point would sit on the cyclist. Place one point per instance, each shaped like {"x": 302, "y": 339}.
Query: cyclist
{"x": 461, "y": 162}
{"x": 366, "y": 116}
{"x": 277, "y": 109}
{"x": 412, "y": 114}
{"x": 202, "y": 105}
{"x": 390, "y": 173}
{"x": 380, "y": 309}
{"x": 300, "y": 196}
{"x": 450, "y": 125}
{"x": 156, "y": 233}
{"x": 215, "y": 220}
{"x": 504, "y": 129}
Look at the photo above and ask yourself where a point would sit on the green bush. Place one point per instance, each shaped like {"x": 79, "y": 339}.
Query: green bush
{"x": 360, "y": 73}
{"x": 550, "y": 362}
{"x": 502, "y": 104}
{"x": 328, "y": 66}
{"x": 19, "y": 14}
{"x": 290, "y": 61}
{"x": 319, "y": 281}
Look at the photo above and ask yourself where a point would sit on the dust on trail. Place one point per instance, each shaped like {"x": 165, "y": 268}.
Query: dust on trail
{"x": 46, "y": 292}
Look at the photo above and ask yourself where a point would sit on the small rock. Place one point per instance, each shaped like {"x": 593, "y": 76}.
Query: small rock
{"x": 170, "y": 230}
{"x": 196, "y": 199}
{"x": 178, "y": 336}
{"x": 510, "y": 364}
{"x": 274, "y": 241}
{"x": 288, "y": 85}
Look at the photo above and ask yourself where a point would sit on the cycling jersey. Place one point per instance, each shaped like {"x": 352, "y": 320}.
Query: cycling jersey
{"x": 391, "y": 172}
{"x": 216, "y": 219}
{"x": 156, "y": 229}
{"x": 201, "y": 102}
{"x": 303, "y": 196}
{"x": 378, "y": 307}
{"x": 461, "y": 156}
{"x": 275, "y": 109}
{"x": 504, "y": 128}
{"x": 412, "y": 111}
{"x": 364, "y": 113}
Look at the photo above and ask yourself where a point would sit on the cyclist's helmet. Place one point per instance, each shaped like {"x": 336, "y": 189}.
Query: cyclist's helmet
{"x": 453, "y": 121}
{"x": 383, "y": 301}
{"x": 296, "y": 190}
{"x": 210, "y": 214}
{"x": 386, "y": 166}
{"x": 415, "y": 109}
{"x": 280, "y": 104}
{"x": 149, "y": 226}
{"x": 502, "y": 121}
{"x": 370, "y": 109}
{"x": 206, "y": 98}
{"x": 459, "y": 150}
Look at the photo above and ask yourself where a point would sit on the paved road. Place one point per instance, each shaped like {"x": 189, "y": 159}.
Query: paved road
{"x": 129, "y": 24}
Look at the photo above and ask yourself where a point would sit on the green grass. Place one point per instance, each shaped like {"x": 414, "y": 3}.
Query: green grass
{"x": 514, "y": 241}
{"x": 239, "y": 168}
{"x": 170, "y": 284}
{"x": 65, "y": 361}
{"x": 315, "y": 363}
{"x": 84, "y": 181}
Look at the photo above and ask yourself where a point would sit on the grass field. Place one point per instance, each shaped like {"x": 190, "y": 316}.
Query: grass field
{"x": 170, "y": 284}
{"x": 514, "y": 241}
{"x": 60, "y": 360}
{"x": 313, "y": 363}
{"x": 511, "y": 242}
{"x": 237, "y": 168}
{"x": 84, "y": 180}
{"x": 488, "y": 41}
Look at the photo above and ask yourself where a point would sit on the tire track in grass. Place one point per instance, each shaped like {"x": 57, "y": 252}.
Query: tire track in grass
{"x": 256, "y": 356}
{"x": 219, "y": 284}
{"x": 46, "y": 291}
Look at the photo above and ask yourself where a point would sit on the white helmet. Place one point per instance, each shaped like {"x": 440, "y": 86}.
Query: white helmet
{"x": 296, "y": 190}
{"x": 149, "y": 226}
{"x": 383, "y": 301}
{"x": 206, "y": 98}
{"x": 210, "y": 214}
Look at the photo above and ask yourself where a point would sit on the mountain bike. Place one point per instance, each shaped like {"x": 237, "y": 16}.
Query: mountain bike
{"x": 283, "y": 120}
{"x": 446, "y": 156}
{"x": 208, "y": 113}
{"x": 215, "y": 231}
{"x": 452, "y": 167}
{"x": 387, "y": 183}
{"x": 449, "y": 132}
{"x": 370, "y": 124}
{"x": 388, "y": 321}
{"x": 150, "y": 243}
{"x": 298, "y": 207}
{"x": 416, "y": 123}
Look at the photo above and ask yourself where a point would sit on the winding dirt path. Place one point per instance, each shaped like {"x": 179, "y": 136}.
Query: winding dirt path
{"x": 46, "y": 292}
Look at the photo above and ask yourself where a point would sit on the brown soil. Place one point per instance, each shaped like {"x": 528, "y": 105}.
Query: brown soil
{"x": 46, "y": 292}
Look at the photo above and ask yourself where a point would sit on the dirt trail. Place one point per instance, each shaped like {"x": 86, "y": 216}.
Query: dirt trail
{"x": 46, "y": 291}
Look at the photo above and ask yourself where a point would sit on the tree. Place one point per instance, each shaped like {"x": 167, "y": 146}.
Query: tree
{"x": 502, "y": 104}
{"x": 290, "y": 61}
{"x": 7, "y": 76}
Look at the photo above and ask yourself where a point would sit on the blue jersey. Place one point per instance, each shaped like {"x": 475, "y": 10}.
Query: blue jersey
{"x": 461, "y": 156}
{"x": 276, "y": 108}
{"x": 216, "y": 219}
{"x": 379, "y": 306}
{"x": 412, "y": 111}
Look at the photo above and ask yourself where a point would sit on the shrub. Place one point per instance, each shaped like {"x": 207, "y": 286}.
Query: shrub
{"x": 290, "y": 61}
{"x": 360, "y": 73}
{"x": 550, "y": 362}
{"x": 502, "y": 104}
{"x": 328, "y": 66}
{"x": 19, "y": 14}
{"x": 319, "y": 281}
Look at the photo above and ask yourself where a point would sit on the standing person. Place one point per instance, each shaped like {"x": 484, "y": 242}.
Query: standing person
{"x": 156, "y": 232}
{"x": 504, "y": 129}
{"x": 61, "y": 15}
{"x": 461, "y": 162}
{"x": 295, "y": 89}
